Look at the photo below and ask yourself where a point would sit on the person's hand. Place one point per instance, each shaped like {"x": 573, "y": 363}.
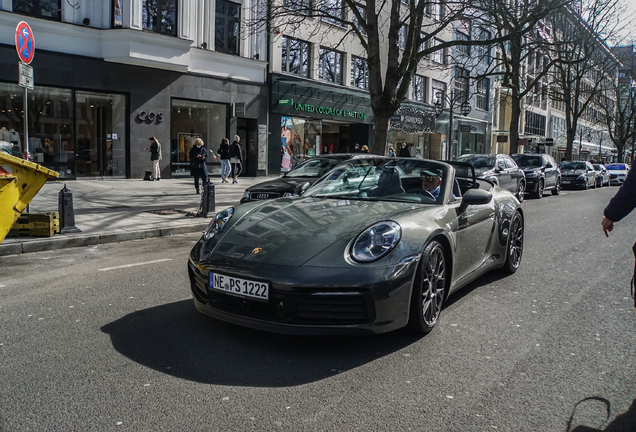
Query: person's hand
{"x": 608, "y": 226}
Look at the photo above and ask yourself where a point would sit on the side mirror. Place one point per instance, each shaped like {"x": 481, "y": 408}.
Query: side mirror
{"x": 475, "y": 197}
{"x": 301, "y": 188}
{"x": 549, "y": 165}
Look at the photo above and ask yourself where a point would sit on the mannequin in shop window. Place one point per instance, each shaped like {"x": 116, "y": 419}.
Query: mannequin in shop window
{"x": 5, "y": 135}
{"x": 15, "y": 140}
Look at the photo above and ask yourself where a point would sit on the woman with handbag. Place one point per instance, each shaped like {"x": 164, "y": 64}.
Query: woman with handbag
{"x": 236, "y": 158}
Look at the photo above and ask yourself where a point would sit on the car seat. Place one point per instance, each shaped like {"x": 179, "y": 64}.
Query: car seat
{"x": 388, "y": 183}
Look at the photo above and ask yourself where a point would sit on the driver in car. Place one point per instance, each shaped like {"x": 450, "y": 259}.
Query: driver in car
{"x": 431, "y": 181}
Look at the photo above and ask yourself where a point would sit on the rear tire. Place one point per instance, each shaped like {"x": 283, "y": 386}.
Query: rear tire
{"x": 514, "y": 249}
{"x": 429, "y": 290}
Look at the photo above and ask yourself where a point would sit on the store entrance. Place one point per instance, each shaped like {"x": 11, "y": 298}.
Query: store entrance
{"x": 100, "y": 131}
{"x": 335, "y": 138}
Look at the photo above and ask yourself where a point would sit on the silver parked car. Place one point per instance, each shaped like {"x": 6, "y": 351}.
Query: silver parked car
{"x": 602, "y": 175}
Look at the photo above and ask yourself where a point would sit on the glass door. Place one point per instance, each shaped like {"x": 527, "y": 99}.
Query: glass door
{"x": 100, "y": 121}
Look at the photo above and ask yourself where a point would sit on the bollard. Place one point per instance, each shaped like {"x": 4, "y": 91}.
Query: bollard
{"x": 67, "y": 214}
{"x": 208, "y": 199}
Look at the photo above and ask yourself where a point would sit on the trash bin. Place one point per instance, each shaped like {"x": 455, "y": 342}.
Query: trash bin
{"x": 20, "y": 181}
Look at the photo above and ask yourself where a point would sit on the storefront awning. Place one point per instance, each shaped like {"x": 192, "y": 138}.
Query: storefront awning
{"x": 460, "y": 124}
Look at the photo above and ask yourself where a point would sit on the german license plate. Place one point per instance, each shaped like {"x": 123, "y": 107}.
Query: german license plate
{"x": 239, "y": 287}
{"x": 566, "y": 181}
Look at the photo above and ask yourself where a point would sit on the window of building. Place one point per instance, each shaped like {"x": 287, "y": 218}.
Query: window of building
{"x": 363, "y": 12}
{"x": 227, "y": 27}
{"x": 160, "y": 16}
{"x": 419, "y": 88}
{"x": 484, "y": 50}
{"x": 535, "y": 124}
{"x": 330, "y": 66}
{"x": 438, "y": 56}
{"x": 460, "y": 83}
{"x": 482, "y": 96}
{"x": 118, "y": 15}
{"x": 335, "y": 11}
{"x": 359, "y": 73}
{"x": 435, "y": 10}
{"x": 49, "y": 9}
{"x": 460, "y": 36}
{"x": 295, "y": 57}
{"x": 402, "y": 37}
{"x": 439, "y": 91}
{"x": 301, "y": 6}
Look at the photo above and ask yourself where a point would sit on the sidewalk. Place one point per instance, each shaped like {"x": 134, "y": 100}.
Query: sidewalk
{"x": 118, "y": 210}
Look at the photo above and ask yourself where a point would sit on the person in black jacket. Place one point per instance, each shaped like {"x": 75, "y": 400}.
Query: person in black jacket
{"x": 236, "y": 158}
{"x": 404, "y": 151}
{"x": 620, "y": 206}
{"x": 224, "y": 154}
{"x": 199, "y": 168}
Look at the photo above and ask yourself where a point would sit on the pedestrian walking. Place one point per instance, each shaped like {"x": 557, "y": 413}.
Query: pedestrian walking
{"x": 391, "y": 151}
{"x": 620, "y": 206}
{"x": 199, "y": 168}
{"x": 236, "y": 158}
{"x": 404, "y": 151}
{"x": 224, "y": 154}
{"x": 364, "y": 149}
{"x": 155, "y": 157}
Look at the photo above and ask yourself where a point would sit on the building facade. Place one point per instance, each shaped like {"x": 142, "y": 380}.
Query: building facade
{"x": 110, "y": 74}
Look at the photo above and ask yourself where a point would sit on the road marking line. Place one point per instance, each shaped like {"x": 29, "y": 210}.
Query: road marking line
{"x": 133, "y": 265}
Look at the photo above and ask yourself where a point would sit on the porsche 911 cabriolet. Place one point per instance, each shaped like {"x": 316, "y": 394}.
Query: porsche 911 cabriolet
{"x": 375, "y": 245}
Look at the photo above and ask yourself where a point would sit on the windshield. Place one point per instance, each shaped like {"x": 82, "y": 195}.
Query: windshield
{"x": 616, "y": 167}
{"x": 384, "y": 179}
{"x": 315, "y": 167}
{"x": 572, "y": 165}
{"x": 528, "y": 161}
{"x": 478, "y": 161}
{"x": 597, "y": 167}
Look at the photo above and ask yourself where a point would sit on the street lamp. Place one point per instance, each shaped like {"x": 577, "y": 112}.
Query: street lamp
{"x": 588, "y": 135}
{"x": 453, "y": 102}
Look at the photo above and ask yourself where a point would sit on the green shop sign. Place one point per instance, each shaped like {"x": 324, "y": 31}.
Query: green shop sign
{"x": 329, "y": 111}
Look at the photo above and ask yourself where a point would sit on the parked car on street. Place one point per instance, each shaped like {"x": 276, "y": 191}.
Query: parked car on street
{"x": 602, "y": 175}
{"x": 542, "y": 173}
{"x": 501, "y": 169}
{"x": 618, "y": 172}
{"x": 367, "y": 249}
{"x": 298, "y": 179}
{"x": 577, "y": 175}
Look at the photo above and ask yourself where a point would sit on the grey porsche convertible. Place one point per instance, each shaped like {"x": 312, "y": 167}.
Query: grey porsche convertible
{"x": 375, "y": 245}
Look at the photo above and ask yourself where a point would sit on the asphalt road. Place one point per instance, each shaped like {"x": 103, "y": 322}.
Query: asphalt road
{"x": 106, "y": 338}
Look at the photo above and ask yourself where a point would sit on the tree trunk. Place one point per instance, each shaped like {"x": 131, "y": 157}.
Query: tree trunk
{"x": 380, "y": 132}
{"x": 515, "y": 104}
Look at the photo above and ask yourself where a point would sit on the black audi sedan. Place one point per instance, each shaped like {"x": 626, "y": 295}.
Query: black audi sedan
{"x": 295, "y": 181}
{"x": 577, "y": 174}
{"x": 542, "y": 173}
{"x": 500, "y": 169}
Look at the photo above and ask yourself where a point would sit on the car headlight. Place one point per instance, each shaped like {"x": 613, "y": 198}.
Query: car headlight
{"x": 217, "y": 224}
{"x": 376, "y": 241}
{"x": 581, "y": 177}
{"x": 246, "y": 194}
{"x": 531, "y": 175}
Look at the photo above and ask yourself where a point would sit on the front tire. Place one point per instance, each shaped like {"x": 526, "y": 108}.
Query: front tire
{"x": 521, "y": 191}
{"x": 514, "y": 251}
{"x": 429, "y": 289}
{"x": 540, "y": 189}
{"x": 557, "y": 188}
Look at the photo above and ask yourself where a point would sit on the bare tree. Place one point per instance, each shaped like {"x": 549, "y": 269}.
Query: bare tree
{"x": 583, "y": 66}
{"x": 617, "y": 104}
{"x": 397, "y": 35}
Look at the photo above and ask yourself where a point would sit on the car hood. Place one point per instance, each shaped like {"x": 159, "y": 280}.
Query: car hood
{"x": 531, "y": 170}
{"x": 480, "y": 172}
{"x": 291, "y": 231}
{"x": 283, "y": 184}
{"x": 572, "y": 172}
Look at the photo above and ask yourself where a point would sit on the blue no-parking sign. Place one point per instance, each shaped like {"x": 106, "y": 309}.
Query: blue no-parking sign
{"x": 24, "y": 42}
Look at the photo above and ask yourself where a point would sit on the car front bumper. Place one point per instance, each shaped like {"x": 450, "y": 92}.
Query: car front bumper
{"x": 311, "y": 300}
{"x": 573, "y": 183}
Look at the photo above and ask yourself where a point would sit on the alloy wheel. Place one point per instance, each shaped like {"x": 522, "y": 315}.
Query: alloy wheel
{"x": 521, "y": 191}
{"x": 433, "y": 285}
{"x": 515, "y": 244}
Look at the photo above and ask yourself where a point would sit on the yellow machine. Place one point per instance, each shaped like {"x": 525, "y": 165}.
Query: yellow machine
{"x": 20, "y": 181}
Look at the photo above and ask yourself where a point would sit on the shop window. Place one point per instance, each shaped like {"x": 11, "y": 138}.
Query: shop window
{"x": 227, "y": 27}
{"x": 50, "y": 125}
{"x": 302, "y": 7}
{"x": 160, "y": 16}
{"x": 464, "y": 49}
{"x": 191, "y": 120}
{"x": 359, "y": 73}
{"x": 330, "y": 67}
{"x": 419, "y": 88}
{"x": 49, "y": 9}
{"x": 295, "y": 57}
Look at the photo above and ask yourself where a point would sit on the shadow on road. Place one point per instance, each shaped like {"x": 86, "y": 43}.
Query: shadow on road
{"x": 597, "y": 410}
{"x": 177, "y": 340}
